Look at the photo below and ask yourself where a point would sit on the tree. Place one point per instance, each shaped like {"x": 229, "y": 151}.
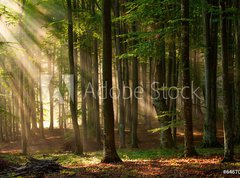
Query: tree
{"x": 134, "y": 139}
{"x": 41, "y": 125}
{"x": 21, "y": 98}
{"x": 119, "y": 51}
{"x": 109, "y": 150}
{"x": 83, "y": 87}
{"x": 51, "y": 89}
{"x": 228, "y": 78}
{"x": 95, "y": 83}
{"x": 187, "y": 101}
{"x": 160, "y": 102}
{"x": 211, "y": 45}
{"x": 73, "y": 99}
{"x": 237, "y": 91}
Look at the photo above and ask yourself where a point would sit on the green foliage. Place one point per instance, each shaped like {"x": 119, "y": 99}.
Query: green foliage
{"x": 168, "y": 125}
{"x": 9, "y": 16}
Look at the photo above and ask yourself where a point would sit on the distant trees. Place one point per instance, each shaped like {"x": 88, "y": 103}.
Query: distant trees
{"x": 158, "y": 45}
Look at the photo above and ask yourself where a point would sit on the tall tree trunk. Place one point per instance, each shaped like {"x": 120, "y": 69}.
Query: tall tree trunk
{"x": 127, "y": 94}
{"x": 41, "y": 124}
{"x": 119, "y": 51}
{"x": 6, "y": 129}
{"x": 83, "y": 88}
{"x": 187, "y": 101}
{"x": 95, "y": 84}
{"x": 73, "y": 99}
{"x": 228, "y": 80}
{"x": 50, "y": 70}
{"x": 89, "y": 95}
{"x": 21, "y": 98}
{"x": 150, "y": 92}
{"x": 211, "y": 42}
{"x": 160, "y": 102}
{"x": 237, "y": 132}
{"x": 145, "y": 95}
{"x": 1, "y": 128}
{"x": 23, "y": 121}
{"x": 61, "y": 97}
{"x": 174, "y": 83}
{"x": 83, "y": 97}
{"x": 134, "y": 138}
{"x": 109, "y": 149}
{"x": 96, "y": 97}
{"x": 33, "y": 107}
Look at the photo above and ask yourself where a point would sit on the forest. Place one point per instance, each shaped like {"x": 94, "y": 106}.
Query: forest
{"x": 119, "y": 88}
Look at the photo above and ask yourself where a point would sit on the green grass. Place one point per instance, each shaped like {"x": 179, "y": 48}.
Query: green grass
{"x": 215, "y": 151}
{"x": 140, "y": 154}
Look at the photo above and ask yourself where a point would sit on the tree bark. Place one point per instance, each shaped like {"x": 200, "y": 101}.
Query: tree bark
{"x": 109, "y": 150}
{"x": 160, "y": 101}
{"x": 119, "y": 51}
{"x": 227, "y": 76}
{"x": 21, "y": 98}
{"x": 50, "y": 70}
{"x": 73, "y": 99}
{"x": 83, "y": 97}
{"x": 134, "y": 138}
{"x": 41, "y": 124}
{"x": 95, "y": 84}
{"x": 187, "y": 101}
{"x": 237, "y": 132}
{"x": 211, "y": 42}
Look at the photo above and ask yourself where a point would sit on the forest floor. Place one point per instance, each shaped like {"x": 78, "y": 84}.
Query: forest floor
{"x": 147, "y": 161}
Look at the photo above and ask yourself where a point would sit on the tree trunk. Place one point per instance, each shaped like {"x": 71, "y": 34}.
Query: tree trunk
{"x": 237, "y": 139}
{"x": 1, "y": 128}
{"x": 127, "y": 94}
{"x": 160, "y": 102}
{"x": 89, "y": 94}
{"x": 149, "y": 89}
{"x": 21, "y": 98}
{"x": 119, "y": 51}
{"x": 187, "y": 101}
{"x": 211, "y": 42}
{"x": 61, "y": 97}
{"x": 145, "y": 95}
{"x": 50, "y": 70}
{"x": 134, "y": 138}
{"x": 227, "y": 76}
{"x": 174, "y": 83}
{"x": 33, "y": 104}
{"x": 41, "y": 124}
{"x": 73, "y": 99}
{"x": 23, "y": 121}
{"x": 83, "y": 97}
{"x": 95, "y": 84}
{"x": 109, "y": 149}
